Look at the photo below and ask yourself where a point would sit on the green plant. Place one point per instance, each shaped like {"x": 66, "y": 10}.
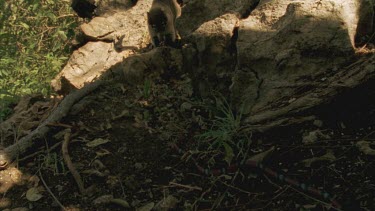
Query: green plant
{"x": 34, "y": 44}
{"x": 147, "y": 88}
{"x": 5, "y": 100}
{"x": 52, "y": 162}
{"x": 225, "y": 127}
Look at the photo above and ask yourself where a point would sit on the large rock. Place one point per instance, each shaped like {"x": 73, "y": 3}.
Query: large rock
{"x": 86, "y": 65}
{"x": 113, "y": 38}
{"x": 197, "y": 12}
{"x": 128, "y": 25}
{"x": 287, "y": 49}
{"x": 159, "y": 61}
{"x": 366, "y": 21}
{"x": 274, "y": 62}
{"x": 211, "y": 61}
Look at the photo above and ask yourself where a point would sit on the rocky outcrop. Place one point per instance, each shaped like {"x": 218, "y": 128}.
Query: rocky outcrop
{"x": 270, "y": 63}
{"x": 87, "y": 64}
{"x": 210, "y": 59}
{"x": 111, "y": 39}
{"x": 160, "y": 61}
{"x": 285, "y": 58}
{"x": 288, "y": 50}
{"x": 197, "y": 12}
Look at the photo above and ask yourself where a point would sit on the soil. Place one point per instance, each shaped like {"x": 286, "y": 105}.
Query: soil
{"x": 120, "y": 145}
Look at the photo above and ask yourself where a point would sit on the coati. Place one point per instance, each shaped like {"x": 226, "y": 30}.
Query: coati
{"x": 161, "y": 22}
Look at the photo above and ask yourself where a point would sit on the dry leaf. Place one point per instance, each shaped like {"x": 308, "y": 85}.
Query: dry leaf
{"x": 260, "y": 157}
{"x": 97, "y": 142}
{"x": 329, "y": 156}
{"x": 365, "y": 147}
{"x": 147, "y": 207}
{"x": 33, "y": 194}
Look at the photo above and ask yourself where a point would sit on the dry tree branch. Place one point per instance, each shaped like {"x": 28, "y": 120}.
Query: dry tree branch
{"x": 9, "y": 154}
{"x": 70, "y": 165}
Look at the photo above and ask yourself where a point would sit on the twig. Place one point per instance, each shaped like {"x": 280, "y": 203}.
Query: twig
{"x": 50, "y": 192}
{"x": 122, "y": 188}
{"x": 236, "y": 188}
{"x": 58, "y": 124}
{"x": 41, "y": 151}
{"x": 69, "y": 163}
{"x": 186, "y": 186}
{"x": 271, "y": 200}
{"x": 315, "y": 199}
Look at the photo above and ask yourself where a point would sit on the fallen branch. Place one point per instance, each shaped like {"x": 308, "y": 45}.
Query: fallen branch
{"x": 70, "y": 165}
{"x": 40, "y": 151}
{"x": 50, "y": 192}
{"x": 191, "y": 188}
{"x": 9, "y": 154}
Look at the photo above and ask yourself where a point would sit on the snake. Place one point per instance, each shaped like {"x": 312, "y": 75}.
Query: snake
{"x": 232, "y": 168}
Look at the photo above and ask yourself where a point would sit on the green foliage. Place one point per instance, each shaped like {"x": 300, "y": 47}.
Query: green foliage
{"x": 34, "y": 44}
{"x": 224, "y": 129}
{"x": 5, "y": 101}
{"x": 52, "y": 162}
{"x": 147, "y": 88}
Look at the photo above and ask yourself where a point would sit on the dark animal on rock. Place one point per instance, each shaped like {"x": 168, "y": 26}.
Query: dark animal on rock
{"x": 161, "y": 22}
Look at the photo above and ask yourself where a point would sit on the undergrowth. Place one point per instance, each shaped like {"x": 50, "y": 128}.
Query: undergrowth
{"x": 34, "y": 45}
{"x": 225, "y": 133}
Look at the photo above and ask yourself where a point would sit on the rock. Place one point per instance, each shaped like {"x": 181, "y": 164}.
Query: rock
{"x": 318, "y": 123}
{"x": 197, "y": 12}
{"x": 285, "y": 48}
{"x": 87, "y": 64}
{"x": 129, "y": 25}
{"x": 5, "y": 202}
{"x": 271, "y": 63}
{"x": 106, "y": 7}
{"x": 212, "y": 59}
{"x": 126, "y": 31}
{"x": 366, "y": 21}
{"x": 162, "y": 60}
{"x": 138, "y": 166}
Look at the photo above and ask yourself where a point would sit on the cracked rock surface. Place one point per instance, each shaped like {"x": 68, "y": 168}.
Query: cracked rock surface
{"x": 287, "y": 49}
{"x": 270, "y": 62}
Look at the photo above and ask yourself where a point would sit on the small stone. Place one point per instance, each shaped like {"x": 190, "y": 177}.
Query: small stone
{"x": 185, "y": 106}
{"x": 5, "y": 202}
{"x": 138, "y": 166}
{"x": 318, "y": 123}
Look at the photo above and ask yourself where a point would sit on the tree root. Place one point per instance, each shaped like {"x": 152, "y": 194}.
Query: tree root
{"x": 70, "y": 165}
{"x": 10, "y": 153}
{"x": 50, "y": 192}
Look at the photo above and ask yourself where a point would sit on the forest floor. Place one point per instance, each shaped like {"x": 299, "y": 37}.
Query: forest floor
{"x": 120, "y": 145}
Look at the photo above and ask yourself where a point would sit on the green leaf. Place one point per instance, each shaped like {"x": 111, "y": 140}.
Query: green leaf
{"x": 62, "y": 35}
{"x": 24, "y": 25}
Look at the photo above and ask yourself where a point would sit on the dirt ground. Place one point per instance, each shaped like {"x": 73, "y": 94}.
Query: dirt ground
{"x": 120, "y": 145}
